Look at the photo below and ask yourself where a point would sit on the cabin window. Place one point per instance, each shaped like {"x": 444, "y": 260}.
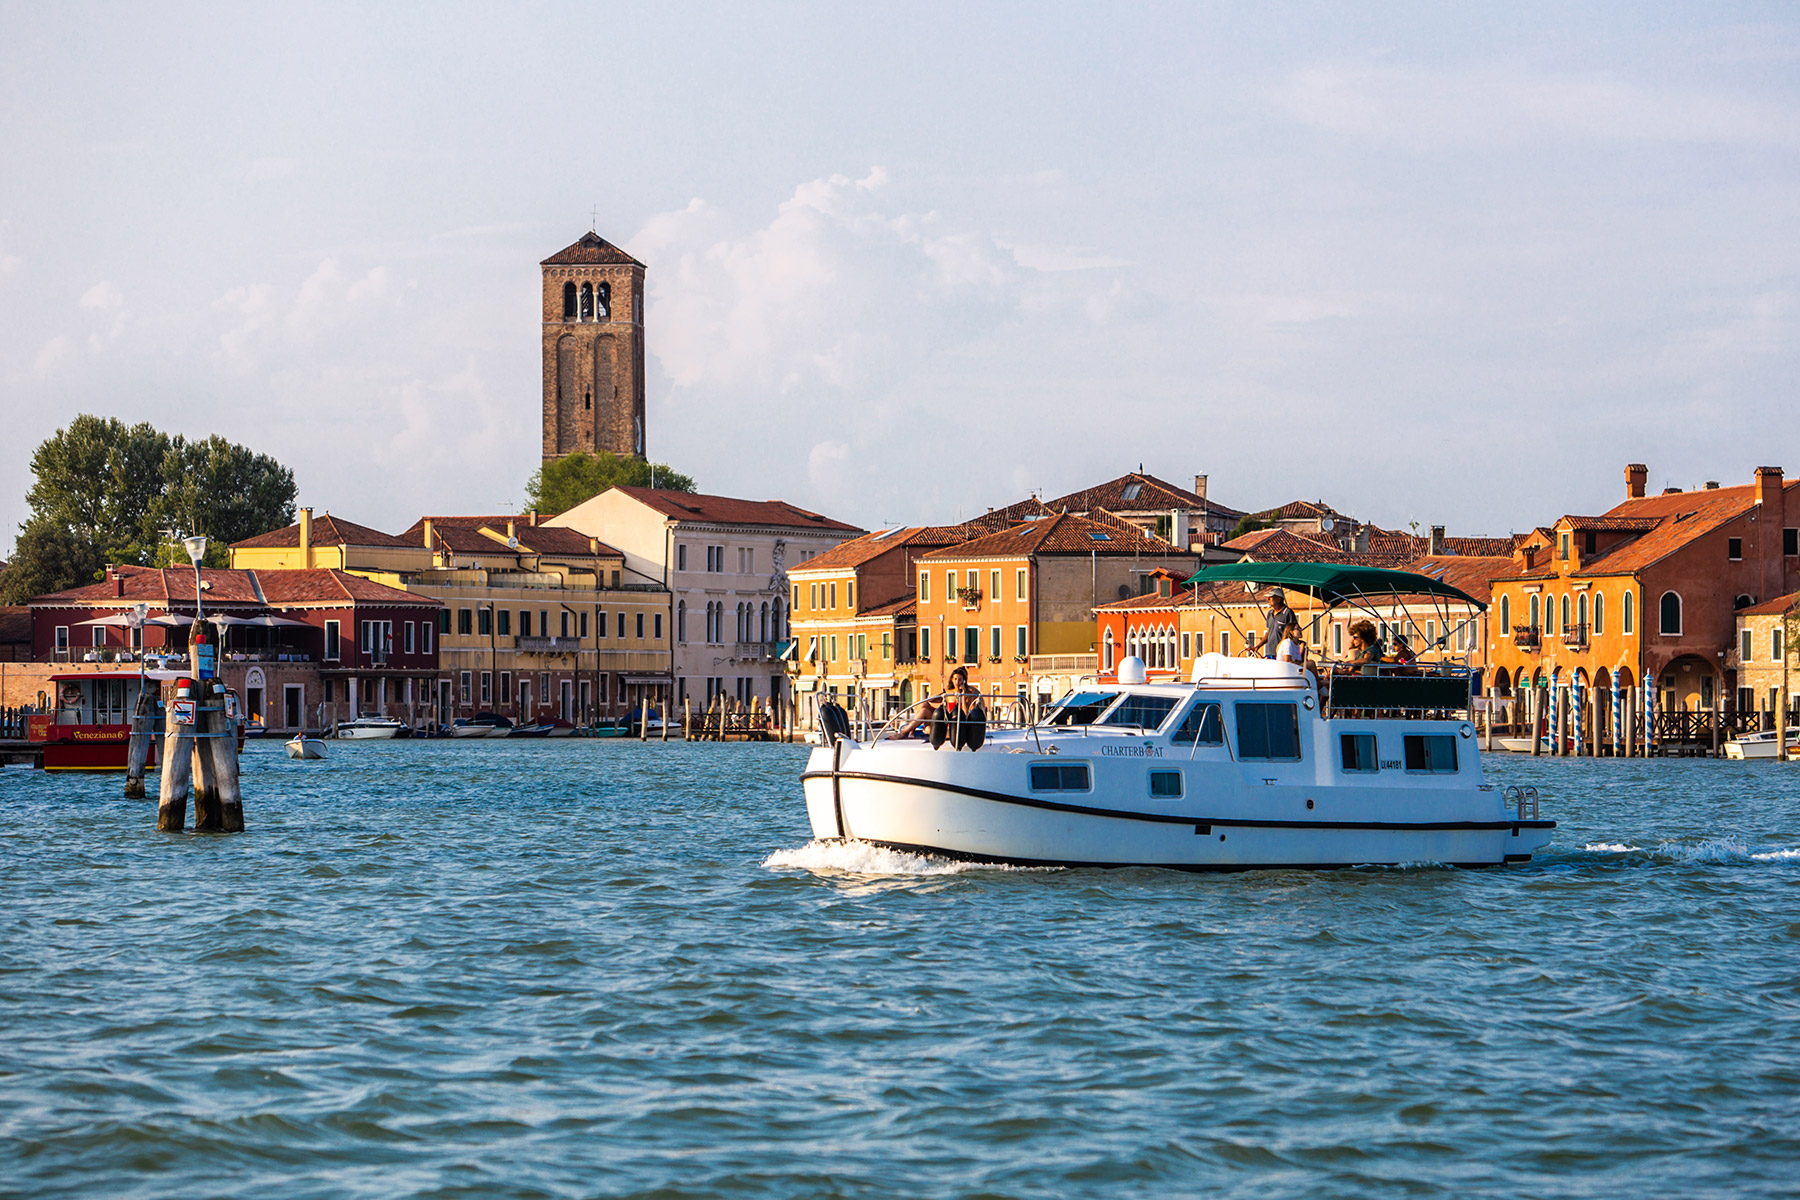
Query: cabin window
{"x": 1059, "y": 777}
{"x": 1165, "y": 785}
{"x": 1359, "y": 753}
{"x": 1202, "y": 726}
{"x": 1268, "y": 731}
{"x": 1734, "y": 549}
{"x": 1671, "y": 614}
{"x": 1145, "y": 712}
{"x": 1434, "y": 753}
{"x": 1081, "y": 708}
{"x": 331, "y": 641}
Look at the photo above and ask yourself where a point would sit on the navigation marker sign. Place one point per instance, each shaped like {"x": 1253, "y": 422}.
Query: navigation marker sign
{"x": 182, "y": 711}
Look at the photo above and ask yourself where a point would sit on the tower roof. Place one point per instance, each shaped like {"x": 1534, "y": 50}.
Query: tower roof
{"x": 592, "y": 248}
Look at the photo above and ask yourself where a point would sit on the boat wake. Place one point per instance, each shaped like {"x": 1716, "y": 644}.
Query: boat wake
{"x": 1724, "y": 853}
{"x": 862, "y": 858}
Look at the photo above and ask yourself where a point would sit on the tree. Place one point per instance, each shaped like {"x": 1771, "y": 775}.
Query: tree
{"x": 561, "y": 485}
{"x": 1249, "y": 524}
{"x": 49, "y": 557}
{"x": 104, "y": 491}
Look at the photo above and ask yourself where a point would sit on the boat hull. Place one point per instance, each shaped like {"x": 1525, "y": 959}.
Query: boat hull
{"x": 988, "y": 815}
{"x": 367, "y": 733}
{"x": 306, "y": 747}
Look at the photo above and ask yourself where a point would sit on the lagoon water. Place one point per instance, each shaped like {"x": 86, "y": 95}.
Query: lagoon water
{"x": 591, "y": 968}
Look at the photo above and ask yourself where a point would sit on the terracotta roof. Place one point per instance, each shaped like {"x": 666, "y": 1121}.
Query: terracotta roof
{"x": 555, "y": 540}
{"x": 1061, "y": 534}
{"x": 857, "y": 551}
{"x": 1281, "y": 537}
{"x": 1284, "y": 545}
{"x": 1300, "y": 510}
{"x": 229, "y": 588}
{"x": 906, "y": 607}
{"x": 1684, "y": 517}
{"x": 997, "y": 519}
{"x": 1767, "y": 608}
{"x": 1137, "y": 492}
{"x": 1612, "y": 524}
{"x": 464, "y": 539}
{"x": 327, "y": 530}
{"x": 1480, "y": 547}
{"x": 1473, "y": 574}
{"x": 1182, "y": 598}
{"x": 590, "y": 248}
{"x": 724, "y": 510}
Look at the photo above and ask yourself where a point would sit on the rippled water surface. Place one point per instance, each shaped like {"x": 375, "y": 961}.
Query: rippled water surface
{"x": 609, "y": 969}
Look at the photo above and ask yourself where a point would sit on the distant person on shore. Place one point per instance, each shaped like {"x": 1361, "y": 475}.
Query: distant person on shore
{"x": 1278, "y": 618}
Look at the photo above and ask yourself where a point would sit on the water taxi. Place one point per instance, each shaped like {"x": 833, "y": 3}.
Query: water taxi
{"x": 1251, "y": 763}
{"x": 1763, "y": 745}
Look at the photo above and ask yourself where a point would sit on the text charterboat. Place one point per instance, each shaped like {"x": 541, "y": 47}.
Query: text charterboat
{"x": 1253, "y": 763}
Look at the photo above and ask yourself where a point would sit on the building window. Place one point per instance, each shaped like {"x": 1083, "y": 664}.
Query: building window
{"x": 950, "y": 642}
{"x": 505, "y": 685}
{"x": 600, "y": 624}
{"x": 924, "y": 587}
{"x": 1599, "y": 612}
{"x": 994, "y": 584}
{"x": 1790, "y": 542}
{"x": 1019, "y": 583}
{"x": 1022, "y": 633}
{"x": 640, "y": 627}
{"x": 1506, "y": 614}
{"x": 1225, "y": 641}
{"x": 1562, "y": 546}
{"x": 464, "y": 682}
{"x": 834, "y": 648}
{"x": 971, "y": 644}
{"x": 1187, "y": 644}
{"x": 443, "y": 620}
{"x": 949, "y": 586}
{"x": 834, "y": 603}
{"x": 587, "y": 301}
{"x": 1746, "y": 645}
{"x": 409, "y": 638}
{"x": 424, "y": 637}
{"x": 584, "y": 627}
{"x": 925, "y": 643}
{"x": 465, "y": 622}
{"x": 1536, "y": 620}
{"x": 1671, "y": 615}
{"x": 681, "y": 621}
{"x": 1734, "y": 549}
{"x": 1565, "y": 610}
{"x": 621, "y": 626}
{"x": 994, "y": 642}
{"x": 505, "y": 628}
{"x": 681, "y": 556}
{"x": 487, "y": 687}
{"x": 569, "y": 301}
{"x": 485, "y": 621}
{"x": 1628, "y": 614}
{"x": 1581, "y": 611}
{"x": 1775, "y": 644}
{"x": 656, "y": 630}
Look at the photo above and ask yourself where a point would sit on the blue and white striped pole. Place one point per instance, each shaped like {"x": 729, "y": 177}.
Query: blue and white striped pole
{"x": 1578, "y": 713}
{"x": 1556, "y": 703}
{"x": 1618, "y": 720}
{"x": 1649, "y": 715}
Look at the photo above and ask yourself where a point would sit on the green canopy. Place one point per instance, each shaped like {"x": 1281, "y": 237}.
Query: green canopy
{"x": 1333, "y": 583}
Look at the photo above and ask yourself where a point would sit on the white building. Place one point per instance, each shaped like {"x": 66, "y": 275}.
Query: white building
{"x": 725, "y": 563}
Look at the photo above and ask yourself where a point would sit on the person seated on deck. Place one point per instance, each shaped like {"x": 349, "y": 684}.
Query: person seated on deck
{"x": 1293, "y": 646}
{"x": 960, "y": 719}
{"x": 1365, "y": 650}
{"x": 1404, "y": 656}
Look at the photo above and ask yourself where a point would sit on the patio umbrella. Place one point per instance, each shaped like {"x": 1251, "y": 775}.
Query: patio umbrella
{"x": 272, "y": 621}
{"x": 115, "y": 619}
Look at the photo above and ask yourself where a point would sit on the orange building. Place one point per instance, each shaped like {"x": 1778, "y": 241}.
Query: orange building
{"x": 1632, "y": 613}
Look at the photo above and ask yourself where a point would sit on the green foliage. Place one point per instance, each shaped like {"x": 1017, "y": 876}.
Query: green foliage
{"x": 563, "y": 484}
{"x": 1249, "y": 524}
{"x": 49, "y": 558}
{"x": 104, "y": 491}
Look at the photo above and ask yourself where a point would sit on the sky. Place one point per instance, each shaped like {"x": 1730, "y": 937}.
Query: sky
{"x": 1445, "y": 264}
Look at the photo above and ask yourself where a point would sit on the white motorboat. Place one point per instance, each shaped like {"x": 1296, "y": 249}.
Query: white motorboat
{"x": 302, "y": 746}
{"x": 368, "y": 728}
{"x": 1250, "y": 764}
{"x": 1763, "y": 745}
{"x": 480, "y": 726}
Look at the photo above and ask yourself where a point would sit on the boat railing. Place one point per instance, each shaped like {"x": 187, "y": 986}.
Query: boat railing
{"x": 1413, "y": 690}
{"x": 997, "y": 715}
{"x": 1524, "y": 799}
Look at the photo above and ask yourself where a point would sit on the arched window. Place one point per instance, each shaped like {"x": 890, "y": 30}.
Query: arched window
{"x": 1534, "y": 612}
{"x": 681, "y": 621}
{"x": 1108, "y": 665}
{"x": 1599, "y": 612}
{"x": 569, "y": 301}
{"x": 587, "y": 301}
{"x": 603, "y": 299}
{"x": 775, "y": 633}
{"x": 763, "y": 623}
{"x": 1628, "y": 615}
{"x": 1505, "y": 617}
{"x": 1565, "y": 611}
{"x": 1671, "y": 614}
{"x": 1743, "y": 602}
{"x": 1581, "y": 609}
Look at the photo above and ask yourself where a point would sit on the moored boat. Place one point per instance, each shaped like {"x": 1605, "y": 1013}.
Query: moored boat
{"x": 1763, "y": 745}
{"x": 1252, "y": 763}
{"x": 363, "y": 729}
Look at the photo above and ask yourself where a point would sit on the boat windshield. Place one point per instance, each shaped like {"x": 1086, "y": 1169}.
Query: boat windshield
{"x": 1081, "y": 708}
{"x": 1141, "y": 711}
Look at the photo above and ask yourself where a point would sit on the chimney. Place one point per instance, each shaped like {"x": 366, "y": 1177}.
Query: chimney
{"x": 1362, "y": 541}
{"x": 1637, "y": 475}
{"x": 1178, "y": 527}
{"x": 306, "y": 551}
{"x": 1437, "y": 539}
{"x": 534, "y": 518}
{"x": 1200, "y": 486}
{"x": 593, "y": 545}
{"x": 428, "y": 544}
{"x": 510, "y": 532}
{"x": 118, "y": 581}
{"x": 1712, "y": 485}
{"x": 1768, "y": 490}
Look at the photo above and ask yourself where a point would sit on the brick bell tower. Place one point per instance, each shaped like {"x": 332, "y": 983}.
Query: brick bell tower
{"x": 593, "y": 350}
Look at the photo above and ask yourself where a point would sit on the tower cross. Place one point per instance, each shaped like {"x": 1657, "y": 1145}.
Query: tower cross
{"x": 594, "y": 220}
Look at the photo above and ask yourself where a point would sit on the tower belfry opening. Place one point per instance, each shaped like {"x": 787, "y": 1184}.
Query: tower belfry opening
{"x": 593, "y": 350}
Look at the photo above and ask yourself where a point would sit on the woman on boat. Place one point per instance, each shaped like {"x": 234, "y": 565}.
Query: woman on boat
{"x": 960, "y": 720}
{"x": 1293, "y": 646}
{"x": 1365, "y": 649}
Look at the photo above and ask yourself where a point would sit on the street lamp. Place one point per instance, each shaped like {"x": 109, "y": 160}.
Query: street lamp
{"x": 196, "y": 550}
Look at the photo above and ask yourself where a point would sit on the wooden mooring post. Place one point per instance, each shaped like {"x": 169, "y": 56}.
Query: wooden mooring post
{"x": 200, "y": 749}
{"x": 137, "y": 754}
{"x": 177, "y": 765}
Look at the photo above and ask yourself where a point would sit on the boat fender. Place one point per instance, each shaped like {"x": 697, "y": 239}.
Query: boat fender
{"x": 972, "y": 729}
{"x": 834, "y": 721}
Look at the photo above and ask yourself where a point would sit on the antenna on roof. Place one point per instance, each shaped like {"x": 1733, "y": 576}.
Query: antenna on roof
{"x": 594, "y": 220}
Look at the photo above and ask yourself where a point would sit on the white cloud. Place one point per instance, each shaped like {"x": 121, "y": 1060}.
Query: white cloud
{"x": 102, "y": 295}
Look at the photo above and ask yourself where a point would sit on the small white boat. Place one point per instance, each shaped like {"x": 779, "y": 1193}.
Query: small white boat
{"x": 368, "y": 728}
{"x": 1251, "y": 764}
{"x": 301, "y": 746}
{"x": 1513, "y": 745}
{"x": 1762, "y": 745}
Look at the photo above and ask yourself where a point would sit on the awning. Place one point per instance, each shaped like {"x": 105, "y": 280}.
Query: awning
{"x": 647, "y": 680}
{"x": 879, "y": 681}
{"x": 786, "y": 650}
{"x": 1332, "y": 582}
{"x": 806, "y": 685}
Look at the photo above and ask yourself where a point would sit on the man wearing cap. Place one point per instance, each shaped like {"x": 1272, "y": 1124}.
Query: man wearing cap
{"x": 1278, "y": 616}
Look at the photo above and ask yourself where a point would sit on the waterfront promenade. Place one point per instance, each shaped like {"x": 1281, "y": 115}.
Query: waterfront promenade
{"x": 607, "y": 969}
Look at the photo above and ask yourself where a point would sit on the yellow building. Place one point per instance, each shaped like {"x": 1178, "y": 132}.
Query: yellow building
{"x": 1767, "y": 661}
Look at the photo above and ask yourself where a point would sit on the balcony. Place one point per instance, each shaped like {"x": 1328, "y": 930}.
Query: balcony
{"x": 1575, "y": 637}
{"x": 1526, "y": 637}
{"x": 1062, "y": 664}
{"x": 970, "y": 597}
{"x": 549, "y": 645}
